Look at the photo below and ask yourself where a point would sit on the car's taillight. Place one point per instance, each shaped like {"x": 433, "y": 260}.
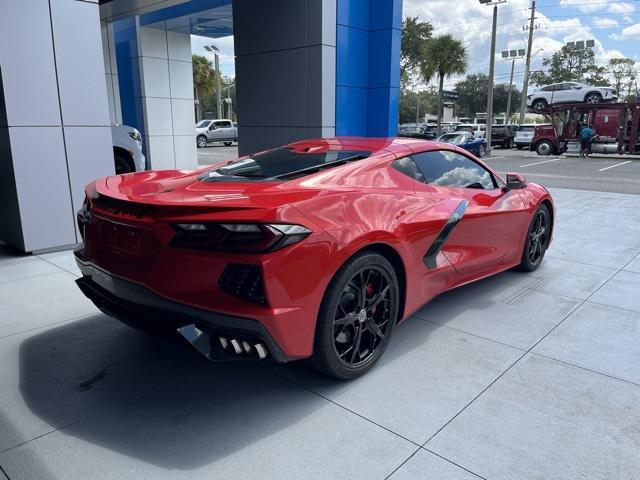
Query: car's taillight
{"x": 237, "y": 237}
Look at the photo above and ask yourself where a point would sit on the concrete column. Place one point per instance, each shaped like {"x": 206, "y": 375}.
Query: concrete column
{"x": 156, "y": 91}
{"x": 285, "y": 70}
{"x": 54, "y": 118}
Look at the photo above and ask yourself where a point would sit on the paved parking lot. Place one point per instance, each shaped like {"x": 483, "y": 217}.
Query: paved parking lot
{"x": 520, "y": 376}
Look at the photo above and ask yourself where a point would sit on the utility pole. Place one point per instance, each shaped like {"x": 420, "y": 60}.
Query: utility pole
{"x": 506, "y": 119}
{"x": 213, "y": 49}
{"x": 525, "y": 82}
{"x": 492, "y": 64}
{"x": 218, "y": 89}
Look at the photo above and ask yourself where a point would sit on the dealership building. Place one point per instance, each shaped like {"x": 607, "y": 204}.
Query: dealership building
{"x": 71, "y": 68}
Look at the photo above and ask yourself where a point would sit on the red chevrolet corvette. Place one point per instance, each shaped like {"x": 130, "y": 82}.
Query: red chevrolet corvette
{"x": 315, "y": 249}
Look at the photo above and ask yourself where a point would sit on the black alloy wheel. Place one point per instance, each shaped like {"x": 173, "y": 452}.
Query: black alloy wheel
{"x": 539, "y": 105}
{"x": 357, "y": 317}
{"x": 593, "y": 98}
{"x": 537, "y": 241}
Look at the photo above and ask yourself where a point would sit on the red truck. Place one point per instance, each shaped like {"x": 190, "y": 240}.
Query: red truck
{"x": 617, "y": 128}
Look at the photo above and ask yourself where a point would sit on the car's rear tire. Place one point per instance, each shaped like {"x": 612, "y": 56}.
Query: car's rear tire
{"x": 538, "y": 234}
{"x": 481, "y": 151}
{"x": 356, "y": 317}
{"x": 227, "y": 144}
{"x": 544, "y": 147}
{"x": 593, "y": 97}
{"x": 122, "y": 163}
{"x": 508, "y": 144}
{"x": 201, "y": 141}
{"x": 539, "y": 105}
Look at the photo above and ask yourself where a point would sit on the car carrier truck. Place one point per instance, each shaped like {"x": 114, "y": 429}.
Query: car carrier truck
{"x": 616, "y": 124}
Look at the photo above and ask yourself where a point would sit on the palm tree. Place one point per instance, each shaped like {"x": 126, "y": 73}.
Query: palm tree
{"x": 445, "y": 55}
{"x": 203, "y": 80}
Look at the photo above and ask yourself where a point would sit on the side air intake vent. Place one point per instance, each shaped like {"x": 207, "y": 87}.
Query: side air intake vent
{"x": 243, "y": 281}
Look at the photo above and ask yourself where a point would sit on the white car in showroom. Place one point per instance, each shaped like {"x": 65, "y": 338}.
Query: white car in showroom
{"x": 568, "y": 92}
{"x": 127, "y": 149}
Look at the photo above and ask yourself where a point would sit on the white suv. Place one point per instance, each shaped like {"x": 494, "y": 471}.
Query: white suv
{"x": 567, "y": 92}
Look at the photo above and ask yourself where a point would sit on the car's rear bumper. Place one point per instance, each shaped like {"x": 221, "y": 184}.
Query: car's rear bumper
{"x": 141, "y": 308}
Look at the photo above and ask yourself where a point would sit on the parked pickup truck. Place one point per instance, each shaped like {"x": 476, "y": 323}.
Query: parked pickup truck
{"x": 219, "y": 130}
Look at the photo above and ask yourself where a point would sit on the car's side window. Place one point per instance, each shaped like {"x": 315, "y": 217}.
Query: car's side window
{"x": 451, "y": 169}
{"x": 223, "y": 124}
{"x": 407, "y": 166}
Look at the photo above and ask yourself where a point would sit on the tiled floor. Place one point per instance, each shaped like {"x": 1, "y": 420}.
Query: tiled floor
{"x": 520, "y": 376}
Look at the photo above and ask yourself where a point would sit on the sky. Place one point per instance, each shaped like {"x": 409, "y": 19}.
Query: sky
{"x": 614, "y": 25}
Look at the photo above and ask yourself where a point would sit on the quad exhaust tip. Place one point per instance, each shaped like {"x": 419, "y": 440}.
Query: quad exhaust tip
{"x": 240, "y": 347}
{"x": 201, "y": 340}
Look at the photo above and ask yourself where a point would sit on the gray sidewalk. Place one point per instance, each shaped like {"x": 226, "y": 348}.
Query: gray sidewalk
{"x": 520, "y": 376}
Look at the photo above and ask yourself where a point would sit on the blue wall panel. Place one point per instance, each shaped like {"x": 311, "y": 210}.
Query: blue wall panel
{"x": 368, "y": 57}
{"x": 352, "y": 66}
{"x": 351, "y": 102}
{"x": 354, "y": 13}
{"x": 125, "y": 37}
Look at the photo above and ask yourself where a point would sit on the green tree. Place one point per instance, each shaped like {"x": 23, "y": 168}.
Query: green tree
{"x": 204, "y": 78}
{"x": 472, "y": 95}
{"x": 566, "y": 65}
{"x": 445, "y": 55}
{"x": 415, "y": 35}
{"x": 623, "y": 73}
{"x": 417, "y": 104}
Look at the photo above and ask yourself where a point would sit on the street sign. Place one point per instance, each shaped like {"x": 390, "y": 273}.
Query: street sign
{"x": 449, "y": 95}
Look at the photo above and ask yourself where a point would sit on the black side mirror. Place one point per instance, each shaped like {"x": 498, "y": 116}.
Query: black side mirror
{"x": 515, "y": 181}
{"x": 212, "y": 127}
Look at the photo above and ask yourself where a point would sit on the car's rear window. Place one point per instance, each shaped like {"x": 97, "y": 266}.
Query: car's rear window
{"x": 281, "y": 163}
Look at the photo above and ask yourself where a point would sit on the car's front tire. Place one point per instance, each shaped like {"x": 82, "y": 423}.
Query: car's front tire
{"x": 123, "y": 164}
{"x": 356, "y": 317}
{"x": 538, "y": 234}
{"x": 593, "y": 97}
{"x": 201, "y": 141}
{"x": 481, "y": 151}
{"x": 539, "y": 105}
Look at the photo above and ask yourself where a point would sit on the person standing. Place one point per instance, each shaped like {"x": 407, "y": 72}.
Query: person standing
{"x": 586, "y": 135}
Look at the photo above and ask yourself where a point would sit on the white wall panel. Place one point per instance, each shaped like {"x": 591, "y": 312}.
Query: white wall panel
{"x": 183, "y": 117}
{"x": 160, "y": 150}
{"x": 179, "y": 46}
{"x": 80, "y": 64}
{"x": 155, "y": 77}
{"x": 181, "y": 77}
{"x": 26, "y": 58}
{"x": 153, "y": 42}
{"x": 89, "y": 156}
{"x": 43, "y": 187}
{"x": 186, "y": 152}
{"x": 158, "y": 116}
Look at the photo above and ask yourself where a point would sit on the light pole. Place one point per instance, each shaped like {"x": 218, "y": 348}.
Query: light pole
{"x": 492, "y": 63}
{"x": 213, "y": 49}
{"x": 525, "y": 82}
{"x": 580, "y": 47}
{"x": 513, "y": 55}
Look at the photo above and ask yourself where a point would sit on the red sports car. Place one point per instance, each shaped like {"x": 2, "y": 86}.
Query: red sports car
{"x": 315, "y": 249}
